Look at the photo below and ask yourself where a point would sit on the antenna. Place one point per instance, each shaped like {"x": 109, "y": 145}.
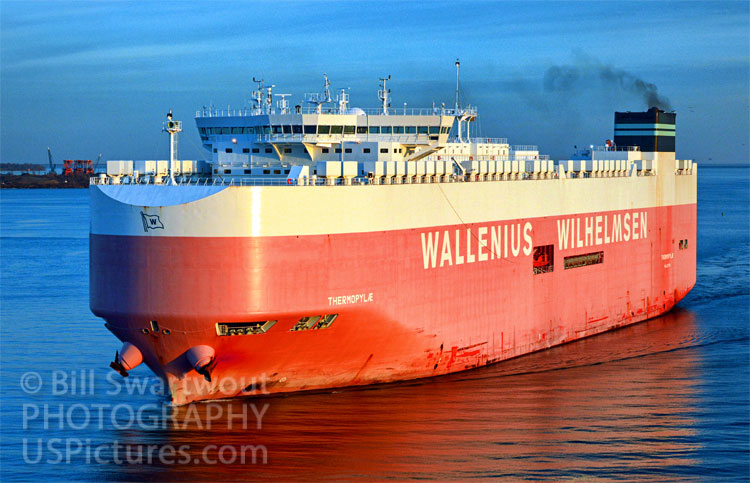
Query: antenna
{"x": 458, "y": 66}
{"x": 383, "y": 94}
{"x": 319, "y": 99}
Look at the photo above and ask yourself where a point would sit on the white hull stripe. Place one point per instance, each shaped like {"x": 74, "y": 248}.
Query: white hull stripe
{"x": 317, "y": 210}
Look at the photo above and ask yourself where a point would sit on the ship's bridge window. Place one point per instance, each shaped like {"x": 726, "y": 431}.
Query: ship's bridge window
{"x": 411, "y": 129}
{"x": 276, "y": 129}
{"x": 286, "y": 129}
{"x": 374, "y": 129}
{"x": 434, "y": 129}
{"x": 422, "y": 130}
{"x": 265, "y": 129}
{"x": 398, "y": 129}
{"x": 297, "y": 129}
{"x": 236, "y": 130}
{"x": 385, "y": 129}
{"x": 226, "y": 130}
{"x": 324, "y": 129}
{"x": 361, "y": 129}
{"x": 310, "y": 129}
{"x": 202, "y": 131}
{"x": 349, "y": 129}
{"x": 337, "y": 129}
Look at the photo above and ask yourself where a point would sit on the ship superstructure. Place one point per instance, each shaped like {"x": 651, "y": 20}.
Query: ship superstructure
{"x": 248, "y": 142}
{"x": 323, "y": 245}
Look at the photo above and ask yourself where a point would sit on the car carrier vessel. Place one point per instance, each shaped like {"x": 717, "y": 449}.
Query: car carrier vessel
{"x": 324, "y": 246}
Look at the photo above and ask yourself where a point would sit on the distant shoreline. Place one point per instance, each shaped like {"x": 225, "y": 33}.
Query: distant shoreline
{"x": 45, "y": 181}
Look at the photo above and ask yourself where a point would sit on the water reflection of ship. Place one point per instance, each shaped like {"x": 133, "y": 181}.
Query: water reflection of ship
{"x": 617, "y": 405}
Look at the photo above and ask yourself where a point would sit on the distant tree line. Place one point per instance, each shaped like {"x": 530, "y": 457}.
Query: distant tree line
{"x": 22, "y": 167}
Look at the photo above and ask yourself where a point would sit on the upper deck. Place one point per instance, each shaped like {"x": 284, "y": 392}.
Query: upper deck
{"x": 305, "y": 133}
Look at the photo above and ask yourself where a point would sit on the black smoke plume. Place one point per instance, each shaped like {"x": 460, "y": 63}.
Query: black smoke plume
{"x": 580, "y": 76}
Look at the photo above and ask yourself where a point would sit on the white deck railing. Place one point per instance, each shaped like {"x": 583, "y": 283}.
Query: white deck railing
{"x": 394, "y": 111}
{"x": 365, "y": 181}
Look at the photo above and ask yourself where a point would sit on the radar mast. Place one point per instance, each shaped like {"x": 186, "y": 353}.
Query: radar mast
{"x": 384, "y": 94}
{"x": 172, "y": 127}
{"x": 258, "y": 96}
{"x": 343, "y": 99}
{"x": 282, "y": 103}
{"x": 458, "y": 103}
{"x": 317, "y": 98}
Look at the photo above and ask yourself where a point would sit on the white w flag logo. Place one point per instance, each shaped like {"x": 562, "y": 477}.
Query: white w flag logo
{"x": 151, "y": 222}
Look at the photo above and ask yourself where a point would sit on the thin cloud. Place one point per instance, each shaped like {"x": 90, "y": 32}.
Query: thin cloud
{"x": 102, "y": 56}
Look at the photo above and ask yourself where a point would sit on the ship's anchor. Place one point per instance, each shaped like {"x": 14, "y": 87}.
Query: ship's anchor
{"x": 203, "y": 360}
{"x": 205, "y": 371}
{"x": 130, "y": 358}
{"x": 115, "y": 364}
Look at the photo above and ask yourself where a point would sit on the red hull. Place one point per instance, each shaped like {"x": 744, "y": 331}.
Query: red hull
{"x": 397, "y": 319}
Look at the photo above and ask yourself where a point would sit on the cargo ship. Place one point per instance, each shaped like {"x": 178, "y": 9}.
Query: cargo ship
{"x": 324, "y": 246}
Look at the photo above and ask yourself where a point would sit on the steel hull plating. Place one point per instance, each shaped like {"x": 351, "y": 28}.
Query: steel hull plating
{"x": 411, "y": 302}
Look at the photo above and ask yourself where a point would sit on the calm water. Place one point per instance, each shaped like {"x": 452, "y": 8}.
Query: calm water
{"x": 667, "y": 399}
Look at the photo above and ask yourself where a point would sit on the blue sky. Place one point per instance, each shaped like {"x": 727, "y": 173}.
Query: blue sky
{"x": 97, "y": 77}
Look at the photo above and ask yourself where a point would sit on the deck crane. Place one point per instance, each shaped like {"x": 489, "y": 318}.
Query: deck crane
{"x": 51, "y": 164}
{"x": 97, "y": 163}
